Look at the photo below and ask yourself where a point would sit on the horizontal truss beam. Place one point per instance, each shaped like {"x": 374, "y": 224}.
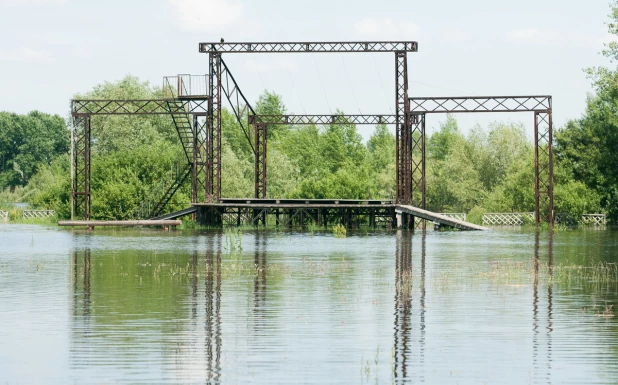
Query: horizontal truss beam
{"x": 480, "y": 104}
{"x": 322, "y": 119}
{"x": 136, "y": 107}
{"x": 300, "y": 47}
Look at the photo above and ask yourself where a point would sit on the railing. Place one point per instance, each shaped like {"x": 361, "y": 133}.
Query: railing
{"x": 185, "y": 86}
{"x": 507, "y": 219}
{"x": 458, "y": 216}
{"x": 518, "y": 219}
{"x": 4, "y": 215}
{"x": 32, "y": 214}
{"x": 594, "y": 219}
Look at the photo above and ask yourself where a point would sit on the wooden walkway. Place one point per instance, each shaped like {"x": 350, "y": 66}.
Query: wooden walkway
{"x": 92, "y": 224}
{"x": 438, "y": 218}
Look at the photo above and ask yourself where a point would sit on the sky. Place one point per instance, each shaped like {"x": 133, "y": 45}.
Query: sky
{"x": 53, "y": 49}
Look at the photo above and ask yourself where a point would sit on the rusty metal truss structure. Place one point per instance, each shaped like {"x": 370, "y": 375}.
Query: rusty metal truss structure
{"x": 308, "y": 47}
{"x": 89, "y": 107}
{"x": 196, "y": 110}
{"x": 189, "y": 114}
{"x": 321, "y": 119}
{"x": 407, "y": 129}
{"x": 539, "y": 105}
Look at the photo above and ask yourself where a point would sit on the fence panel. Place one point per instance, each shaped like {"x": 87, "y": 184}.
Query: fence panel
{"x": 507, "y": 219}
{"x": 458, "y": 216}
{"x": 594, "y": 219}
{"x": 31, "y": 214}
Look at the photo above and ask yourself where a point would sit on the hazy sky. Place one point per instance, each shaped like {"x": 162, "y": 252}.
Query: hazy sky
{"x": 52, "y": 49}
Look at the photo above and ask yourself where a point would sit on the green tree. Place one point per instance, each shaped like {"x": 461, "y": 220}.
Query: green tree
{"x": 28, "y": 142}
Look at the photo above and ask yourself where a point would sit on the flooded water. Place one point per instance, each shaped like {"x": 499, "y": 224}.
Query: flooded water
{"x": 264, "y": 307}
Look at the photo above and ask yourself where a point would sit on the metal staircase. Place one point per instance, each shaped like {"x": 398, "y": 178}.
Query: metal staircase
{"x": 183, "y": 125}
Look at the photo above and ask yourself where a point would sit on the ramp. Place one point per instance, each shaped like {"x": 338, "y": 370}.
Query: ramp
{"x": 438, "y": 218}
{"x": 176, "y": 214}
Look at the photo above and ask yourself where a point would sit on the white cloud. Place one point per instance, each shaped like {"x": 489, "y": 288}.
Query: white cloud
{"x": 206, "y": 15}
{"x": 27, "y": 55}
{"x": 254, "y": 66}
{"x": 31, "y": 2}
{"x": 387, "y": 29}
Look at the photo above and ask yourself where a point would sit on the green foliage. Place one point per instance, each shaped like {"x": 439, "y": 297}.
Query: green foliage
{"x": 269, "y": 103}
{"x": 476, "y": 215}
{"x": 26, "y": 142}
{"x": 587, "y": 148}
{"x": 51, "y": 187}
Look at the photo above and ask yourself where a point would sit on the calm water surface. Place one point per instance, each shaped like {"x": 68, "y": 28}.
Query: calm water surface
{"x": 379, "y": 308}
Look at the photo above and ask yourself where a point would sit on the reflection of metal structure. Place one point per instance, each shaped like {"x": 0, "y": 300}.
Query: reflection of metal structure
{"x": 403, "y": 304}
{"x": 212, "y": 307}
{"x": 259, "y": 280}
{"x": 81, "y": 304}
{"x": 402, "y": 349}
{"x": 535, "y": 305}
{"x": 541, "y": 106}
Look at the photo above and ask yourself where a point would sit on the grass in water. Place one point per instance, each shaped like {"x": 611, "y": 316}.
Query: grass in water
{"x": 339, "y": 231}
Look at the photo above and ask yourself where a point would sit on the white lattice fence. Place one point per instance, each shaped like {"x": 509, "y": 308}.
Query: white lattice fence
{"x": 31, "y": 214}
{"x": 594, "y": 219}
{"x": 4, "y": 215}
{"x": 458, "y": 216}
{"x": 507, "y": 219}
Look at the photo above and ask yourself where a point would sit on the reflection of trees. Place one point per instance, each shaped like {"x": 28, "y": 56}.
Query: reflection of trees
{"x": 536, "y": 344}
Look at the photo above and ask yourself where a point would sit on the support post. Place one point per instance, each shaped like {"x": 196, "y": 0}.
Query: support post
{"x": 81, "y": 167}
{"x": 543, "y": 167}
{"x": 402, "y": 129}
{"x": 417, "y": 160}
{"x": 259, "y": 135}
{"x": 213, "y": 142}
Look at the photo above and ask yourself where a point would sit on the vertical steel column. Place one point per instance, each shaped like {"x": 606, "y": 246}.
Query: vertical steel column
{"x": 213, "y": 143}
{"x": 402, "y": 129}
{"x": 80, "y": 193}
{"x": 543, "y": 167}
{"x": 259, "y": 134}
{"x": 417, "y": 160}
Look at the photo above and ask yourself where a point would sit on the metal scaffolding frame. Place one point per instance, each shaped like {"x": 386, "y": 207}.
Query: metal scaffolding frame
{"x": 540, "y": 105}
{"x": 407, "y": 141}
{"x": 201, "y": 135}
{"x": 192, "y": 136}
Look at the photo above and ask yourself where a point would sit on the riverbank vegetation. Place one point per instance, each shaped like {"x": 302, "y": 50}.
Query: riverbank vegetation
{"x": 485, "y": 169}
